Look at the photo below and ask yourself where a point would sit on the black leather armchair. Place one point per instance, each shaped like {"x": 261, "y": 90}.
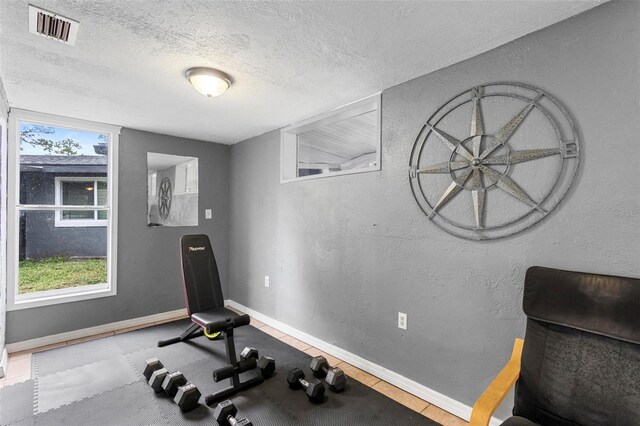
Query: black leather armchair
{"x": 580, "y": 362}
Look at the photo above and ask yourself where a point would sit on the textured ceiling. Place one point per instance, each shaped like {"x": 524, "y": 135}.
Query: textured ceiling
{"x": 289, "y": 60}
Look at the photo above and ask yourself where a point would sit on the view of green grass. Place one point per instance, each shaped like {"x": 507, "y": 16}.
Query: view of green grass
{"x": 58, "y": 272}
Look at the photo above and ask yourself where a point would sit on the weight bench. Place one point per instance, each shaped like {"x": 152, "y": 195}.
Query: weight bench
{"x": 205, "y": 306}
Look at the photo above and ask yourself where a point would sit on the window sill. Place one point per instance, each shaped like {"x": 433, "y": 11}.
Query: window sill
{"x": 54, "y": 297}
{"x": 70, "y": 223}
{"x": 376, "y": 168}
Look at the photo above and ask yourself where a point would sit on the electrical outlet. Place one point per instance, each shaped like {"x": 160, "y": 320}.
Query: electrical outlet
{"x": 207, "y": 213}
{"x": 266, "y": 280}
{"x": 402, "y": 320}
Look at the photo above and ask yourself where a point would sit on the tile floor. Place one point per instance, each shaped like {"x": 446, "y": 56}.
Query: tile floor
{"x": 19, "y": 370}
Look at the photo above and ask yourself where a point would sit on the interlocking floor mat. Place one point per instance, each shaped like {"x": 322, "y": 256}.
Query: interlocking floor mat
{"x": 100, "y": 382}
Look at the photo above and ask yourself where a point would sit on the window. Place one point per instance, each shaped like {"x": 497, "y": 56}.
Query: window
{"x": 62, "y": 206}
{"x": 81, "y": 191}
{"x": 343, "y": 141}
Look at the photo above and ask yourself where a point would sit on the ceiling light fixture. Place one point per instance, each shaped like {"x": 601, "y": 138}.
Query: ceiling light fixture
{"x": 208, "y": 81}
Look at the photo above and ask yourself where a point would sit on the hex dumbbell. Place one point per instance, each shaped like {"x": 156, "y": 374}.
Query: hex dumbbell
{"x": 225, "y": 414}
{"x": 249, "y": 352}
{"x": 334, "y": 376}
{"x": 172, "y": 382}
{"x": 151, "y": 365}
{"x": 187, "y": 397}
{"x": 248, "y": 361}
{"x": 160, "y": 379}
{"x": 155, "y": 373}
{"x": 185, "y": 394}
{"x": 156, "y": 379}
{"x": 267, "y": 366}
{"x": 314, "y": 389}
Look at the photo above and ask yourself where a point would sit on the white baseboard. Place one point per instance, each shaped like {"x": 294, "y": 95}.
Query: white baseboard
{"x": 3, "y": 363}
{"x": 431, "y": 396}
{"x": 86, "y": 332}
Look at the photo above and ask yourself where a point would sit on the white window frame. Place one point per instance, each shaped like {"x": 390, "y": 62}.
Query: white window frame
{"x": 3, "y": 207}
{"x": 60, "y": 222}
{"x": 289, "y": 138}
{"x": 16, "y": 301}
{"x": 184, "y": 179}
{"x": 151, "y": 184}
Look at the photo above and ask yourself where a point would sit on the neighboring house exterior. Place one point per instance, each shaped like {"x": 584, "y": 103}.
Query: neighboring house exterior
{"x": 63, "y": 180}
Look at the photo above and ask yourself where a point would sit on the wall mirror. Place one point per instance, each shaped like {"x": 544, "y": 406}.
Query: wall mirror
{"x": 172, "y": 190}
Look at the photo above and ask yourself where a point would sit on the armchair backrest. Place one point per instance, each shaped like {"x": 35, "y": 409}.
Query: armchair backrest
{"x": 200, "y": 277}
{"x": 581, "y": 356}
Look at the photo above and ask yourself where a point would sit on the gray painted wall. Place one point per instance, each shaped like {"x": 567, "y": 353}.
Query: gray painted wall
{"x": 345, "y": 254}
{"x": 4, "y": 103}
{"x": 44, "y": 239}
{"x": 4, "y": 110}
{"x": 148, "y": 264}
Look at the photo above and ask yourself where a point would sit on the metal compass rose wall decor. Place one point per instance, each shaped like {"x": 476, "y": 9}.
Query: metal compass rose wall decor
{"x": 494, "y": 160}
{"x": 164, "y": 197}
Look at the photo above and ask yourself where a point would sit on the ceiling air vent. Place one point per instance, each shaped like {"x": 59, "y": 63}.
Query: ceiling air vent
{"x": 52, "y": 26}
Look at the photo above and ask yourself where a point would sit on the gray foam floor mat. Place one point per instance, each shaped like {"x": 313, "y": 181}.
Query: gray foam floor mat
{"x": 28, "y": 421}
{"x": 68, "y": 357}
{"x": 89, "y": 389}
{"x": 120, "y": 406}
{"x": 16, "y": 402}
{"x": 75, "y": 384}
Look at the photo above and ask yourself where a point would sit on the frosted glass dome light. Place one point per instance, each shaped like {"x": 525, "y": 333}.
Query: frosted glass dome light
{"x": 208, "y": 81}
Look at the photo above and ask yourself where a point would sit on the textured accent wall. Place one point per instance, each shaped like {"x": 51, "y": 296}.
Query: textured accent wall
{"x": 148, "y": 262}
{"x": 345, "y": 254}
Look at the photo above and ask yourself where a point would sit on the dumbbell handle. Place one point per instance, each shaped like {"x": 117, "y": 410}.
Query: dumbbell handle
{"x": 230, "y": 370}
{"x": 232, "y": 421}
{"x": 304, "y": 383}
{"x": 327, "y": 369}
{"x": 324, "y": 369}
